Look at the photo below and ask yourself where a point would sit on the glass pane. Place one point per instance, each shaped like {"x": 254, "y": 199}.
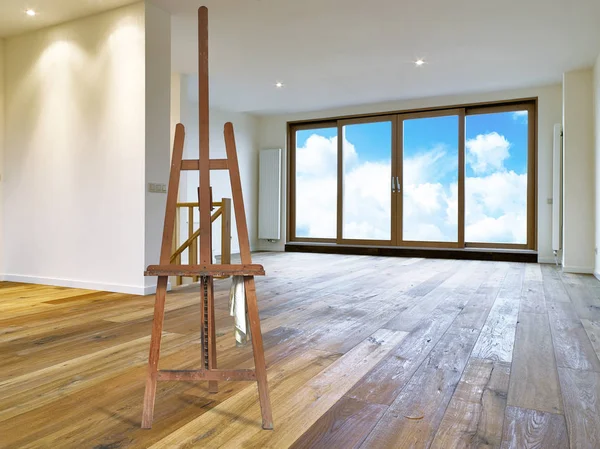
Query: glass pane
{"x": 367, "y": 150}
{"x": 430, "y": 179}
{"x": 316, "y": 183}
{"x": 496, "y": 178}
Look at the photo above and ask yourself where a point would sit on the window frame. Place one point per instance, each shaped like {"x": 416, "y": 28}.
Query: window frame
{"x": 397, "y": 117}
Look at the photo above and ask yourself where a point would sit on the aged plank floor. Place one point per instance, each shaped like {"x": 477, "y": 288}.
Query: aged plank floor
{"x": 361, "y": 351}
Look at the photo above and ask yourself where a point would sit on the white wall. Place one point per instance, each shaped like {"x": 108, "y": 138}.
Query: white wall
{"x": 246, "y": 136}
{"x": 578, "y": 172}
{"x": 596, "y": 88}
{"x": 175, "y": 107}
{"x": 74, "y": 177}
{"x": 157, "y": 129}
{"x": 1, "y": 156}
{"x": 273, "y": 134}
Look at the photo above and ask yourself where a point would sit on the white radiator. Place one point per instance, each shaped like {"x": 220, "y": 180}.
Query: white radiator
{"x": 269, "y": 195}
{"x": 557, "y": 159}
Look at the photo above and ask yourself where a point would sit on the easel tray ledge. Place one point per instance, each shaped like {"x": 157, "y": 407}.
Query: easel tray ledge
{"x": 205, "y": 270}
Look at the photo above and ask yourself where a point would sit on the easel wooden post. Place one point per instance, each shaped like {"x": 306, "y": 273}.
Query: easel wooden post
{"x": 206, "y": 270}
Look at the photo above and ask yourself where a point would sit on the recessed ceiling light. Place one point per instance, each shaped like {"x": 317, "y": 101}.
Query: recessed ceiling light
{"x": 279, "y": 84}
{"x": 30, "y": 12}
{"x": 419, "y": 62}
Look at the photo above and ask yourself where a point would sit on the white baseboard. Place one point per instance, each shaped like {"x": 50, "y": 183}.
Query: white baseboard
{"x": 578, "y": 270}
{"x": 151, "y": 289}
{"x": 101, "y": 286}
{"x": 550, "y": 260}
{"x": 597, "y": 275}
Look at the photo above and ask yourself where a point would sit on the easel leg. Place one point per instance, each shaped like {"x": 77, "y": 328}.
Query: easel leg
{"x": 157, "y": 325}
{"x": 259, "y": 355}
{"x": 213, "y": 385}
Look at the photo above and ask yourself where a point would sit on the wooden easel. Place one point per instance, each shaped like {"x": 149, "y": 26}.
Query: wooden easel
{"x": 206, "y": 270}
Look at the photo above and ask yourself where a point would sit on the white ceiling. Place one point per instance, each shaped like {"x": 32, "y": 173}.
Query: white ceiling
{"x": 13, "y": 19}
{"x": 332, "y": 53}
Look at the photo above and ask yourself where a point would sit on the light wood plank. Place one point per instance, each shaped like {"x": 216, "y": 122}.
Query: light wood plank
{"x": 532, "y": 429}
{"x": 32, "y": 390}
{"x": 592, "y": 328}
{"x": 586, "y": 304}
{"x": 497, "y": 338}
{"x": 554, "y": 290}
{"x": 571, "y": 342}
{"x": 532, "y": 296}
{"x": 344, "y": 426}
{"x": 475, "y": 415}
{"x": 534, "y": 379}
{"x": 378, "y": 387}
{"x": 413, "y": 418}
{"x": 581, "y": 392}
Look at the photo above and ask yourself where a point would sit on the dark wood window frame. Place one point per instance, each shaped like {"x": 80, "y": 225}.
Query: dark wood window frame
{"x": 464, "y": 110}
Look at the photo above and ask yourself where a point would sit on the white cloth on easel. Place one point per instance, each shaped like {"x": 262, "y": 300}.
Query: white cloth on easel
{"x": 237, "y": 309}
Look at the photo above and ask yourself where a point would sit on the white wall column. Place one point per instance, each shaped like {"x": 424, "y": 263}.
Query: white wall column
{"x": 1, "y": 157}
{"x": 596, "y": 89}
{"x": 157, "y": 130}
{"x": 578, "y": 172}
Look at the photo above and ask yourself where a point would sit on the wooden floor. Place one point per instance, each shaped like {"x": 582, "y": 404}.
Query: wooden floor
{"x": 361, "y": 351}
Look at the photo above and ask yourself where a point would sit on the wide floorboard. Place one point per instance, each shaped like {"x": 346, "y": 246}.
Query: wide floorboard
{"x": 362, "y": 352}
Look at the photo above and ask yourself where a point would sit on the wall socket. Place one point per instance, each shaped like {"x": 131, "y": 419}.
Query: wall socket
{"x": 157, "y": 188}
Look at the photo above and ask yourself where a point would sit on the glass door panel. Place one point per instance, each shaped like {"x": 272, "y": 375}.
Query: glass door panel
{"x": 496, "y": 169}
{"x": 430, "y": 179}
{"x": 366, "y": 181}
{"x": 316, "y": 183}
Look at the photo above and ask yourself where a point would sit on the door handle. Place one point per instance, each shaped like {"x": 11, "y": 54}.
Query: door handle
{"x": 397, "y": 184}
{"x": 393, "y": 186}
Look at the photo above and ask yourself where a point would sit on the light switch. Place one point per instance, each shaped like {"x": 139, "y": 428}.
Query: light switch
{"x": 157, "y": 188}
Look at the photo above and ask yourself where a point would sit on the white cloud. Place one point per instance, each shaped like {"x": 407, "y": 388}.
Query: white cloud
{"x": 316, "y": 200}
{"x": 487, "y": 152}
{"x": 520, "y": 116}
{"x": 316, "y": 185}
{"x": 508, "y": 228}
{"x": 495, "y": 202}
{"x": 425, "y": 213}
{"x": 432, "y": 164}
{"x": 367, "y": 201}
{"x": 319, "y": 156}
{"x": 496, "y": 208}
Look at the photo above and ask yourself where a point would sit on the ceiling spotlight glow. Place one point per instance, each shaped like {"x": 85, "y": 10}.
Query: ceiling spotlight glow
{"x": 419, "y": 62}
{"x": 30, "y": 12}
{"x": 279, "y": 84}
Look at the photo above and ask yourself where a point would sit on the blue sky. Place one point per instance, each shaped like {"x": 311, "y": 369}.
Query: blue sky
{"x": 373, "y": 140}
{"x": 302, "y": 136}
{"x": 425, "y": 134}
{"x": 507, "y": 124}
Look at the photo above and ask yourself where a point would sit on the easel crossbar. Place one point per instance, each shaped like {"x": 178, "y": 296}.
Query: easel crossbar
{"x": 205, "y": 270}
{"x": 213, "y": 164}
{"x": 214, "y": 374}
